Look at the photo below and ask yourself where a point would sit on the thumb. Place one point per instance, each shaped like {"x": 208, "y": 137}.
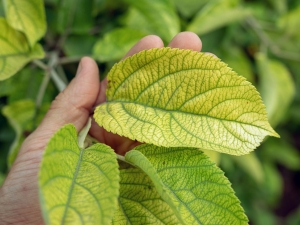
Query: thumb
{"x": 72, "y": 105}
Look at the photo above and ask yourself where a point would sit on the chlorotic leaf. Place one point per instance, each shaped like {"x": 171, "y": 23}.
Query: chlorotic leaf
{"x": 78, "y": 186}
{"x": 160, "y": 14}
{"x": 27, "y": 17}
{"x": 15, "y": 51}
{"x": 116, "y": 43}
{"x": 215, "y": 15}
{"x": 139, "y": 202}
{"x": 194, "y": 187}
{"x": 182, "y": 98}
{"x": 276, "y": 87}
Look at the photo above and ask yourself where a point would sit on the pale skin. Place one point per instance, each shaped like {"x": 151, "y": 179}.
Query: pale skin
{"x": 19, "y": 201}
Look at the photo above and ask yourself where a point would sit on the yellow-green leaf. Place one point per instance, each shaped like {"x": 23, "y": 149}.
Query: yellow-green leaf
{"x": 78, "y": 186}
{"x": 215, "y": 15}
{"x": 194, "y": 187}
{"x": 139, "y": 201}
{"x": 182, "y": 98}
{"x": 276, "y": 87}
{"x": 15, "y": 51}
{"x": 27, "y": 17}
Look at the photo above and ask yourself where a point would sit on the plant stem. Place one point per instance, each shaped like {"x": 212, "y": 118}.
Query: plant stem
{"x": 67, "y": 60}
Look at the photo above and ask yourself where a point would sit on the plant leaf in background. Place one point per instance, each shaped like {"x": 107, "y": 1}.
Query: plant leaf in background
{"x": 86, "y": 181}
{"x": 289, "y": 23}
{"x": 79, "y": 45}
{"x": 19, "y": 122}
{"x": 15, "y": 51}
{"x": 182, "y": 98}
{"x": 194, "y": 187}
{"x": 139, "y": 201}
{"x": 276, "y": 87}
{"x": 161, "y": 16}
{"x": 189, "y": 7}
{"x": 75, "y": 16}
{"x": 27, "y": 17}
{"x": 217, "y": 14}
{"x": 116, "y": 43}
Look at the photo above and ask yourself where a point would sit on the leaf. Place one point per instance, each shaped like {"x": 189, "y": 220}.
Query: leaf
{"x": 289, "y": 22}
{"x": 276, "y": 87}
{"x": 189, "y": 7}
{"x": 15, "y": 52}
{"x": 75, "y": 16}
{"x": 27, "y": 17}
{"x": 196, "y": 190}
{"x": 160, "y": 14}
{"x": 139, "y": 202}
{"x": 78, "y": 186}
{"x": 182, "y": 98}
{"x": 215, "y": 15}
{"x": 115, "y": 44}
{"x": 22, "y": 123}
{"x": 79, "y": 45}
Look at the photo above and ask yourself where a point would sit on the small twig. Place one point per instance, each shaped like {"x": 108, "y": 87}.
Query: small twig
{"x": 67, "y": 60}
{"x": 40, "y": 64}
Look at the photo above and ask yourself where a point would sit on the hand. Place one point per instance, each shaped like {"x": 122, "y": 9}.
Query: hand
{"x": 19, "y": 203}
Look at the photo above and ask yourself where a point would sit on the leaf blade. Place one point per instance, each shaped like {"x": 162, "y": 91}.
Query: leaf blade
{"x": 181, "y": 98}
{"x": 74, "y": 174}
{"x": 190, "y": 183}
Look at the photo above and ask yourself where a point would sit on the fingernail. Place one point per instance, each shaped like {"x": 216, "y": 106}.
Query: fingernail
{"x": 79, "y": 68}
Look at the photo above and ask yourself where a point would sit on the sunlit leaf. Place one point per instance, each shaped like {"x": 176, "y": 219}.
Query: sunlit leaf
{"x": 215, "y": 15}
{"x": 27, "y": 17}
{"x": 182, "y": 98}
{"x": 189, "y": 7}
{"x": 139, "y": 202}
{"x": 160, "y": 14}
{"x": 115, "y": 44}
{"x": 15, "y": 51}
{"x": 290, "y": 22}
{"x": 276, "y": 87}
{"x": 78, "y": 186}
{"x": 194, "y": 187}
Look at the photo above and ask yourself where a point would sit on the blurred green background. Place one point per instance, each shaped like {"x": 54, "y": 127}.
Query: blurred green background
{"x": 258, "y": 39}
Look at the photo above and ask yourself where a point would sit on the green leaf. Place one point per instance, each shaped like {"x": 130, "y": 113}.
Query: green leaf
{"x": 182, "y": 98}
{"x": 116, "y": 43}
{"x": 78, "y": 186}
{"x": 289, "y": 22}
{"x": 215, "y": 15}
{"x": 276, "y": 87}
{"x": 194, "y": 187}
{"x": 79, "y": 45}
{"x": 161, "y": 16}
{"x": 75, "y": 16}
{"x": 139, "y": 202}
{"x": 21, "y": 116}
{"x": 15, "y": 51}
{"x": 189, "y": 7}
{"x": 27, "y": 17}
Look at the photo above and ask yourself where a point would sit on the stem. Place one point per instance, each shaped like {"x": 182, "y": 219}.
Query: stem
{"x": 67, "y": 60}
{"x": 60, "y": 84}
{"x": 122, "y": 158}
{"x": 40, "y": 64}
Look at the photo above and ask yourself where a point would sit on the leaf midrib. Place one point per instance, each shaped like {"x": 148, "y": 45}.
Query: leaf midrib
{"x": 72, "y": 187}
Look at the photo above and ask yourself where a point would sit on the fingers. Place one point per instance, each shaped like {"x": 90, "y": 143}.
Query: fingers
{"x": 73, "y": 105}
{"x": 186, "y": 40}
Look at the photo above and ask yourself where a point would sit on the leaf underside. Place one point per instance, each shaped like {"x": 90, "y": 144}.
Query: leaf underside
{"x": 194, "y": 187}
{"x": 182, "y": 98}
{"x": 78, "y": 186}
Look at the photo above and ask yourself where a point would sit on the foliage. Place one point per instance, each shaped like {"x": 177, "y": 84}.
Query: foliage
{"x": 259, "y": 40}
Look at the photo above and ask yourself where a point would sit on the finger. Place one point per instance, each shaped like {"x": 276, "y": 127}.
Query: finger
{"x": 186, "y": 40}
{"x": 73, "y": 105}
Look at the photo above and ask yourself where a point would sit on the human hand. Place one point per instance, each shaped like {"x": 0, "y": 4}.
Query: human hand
{"x": 19, "y": 201}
